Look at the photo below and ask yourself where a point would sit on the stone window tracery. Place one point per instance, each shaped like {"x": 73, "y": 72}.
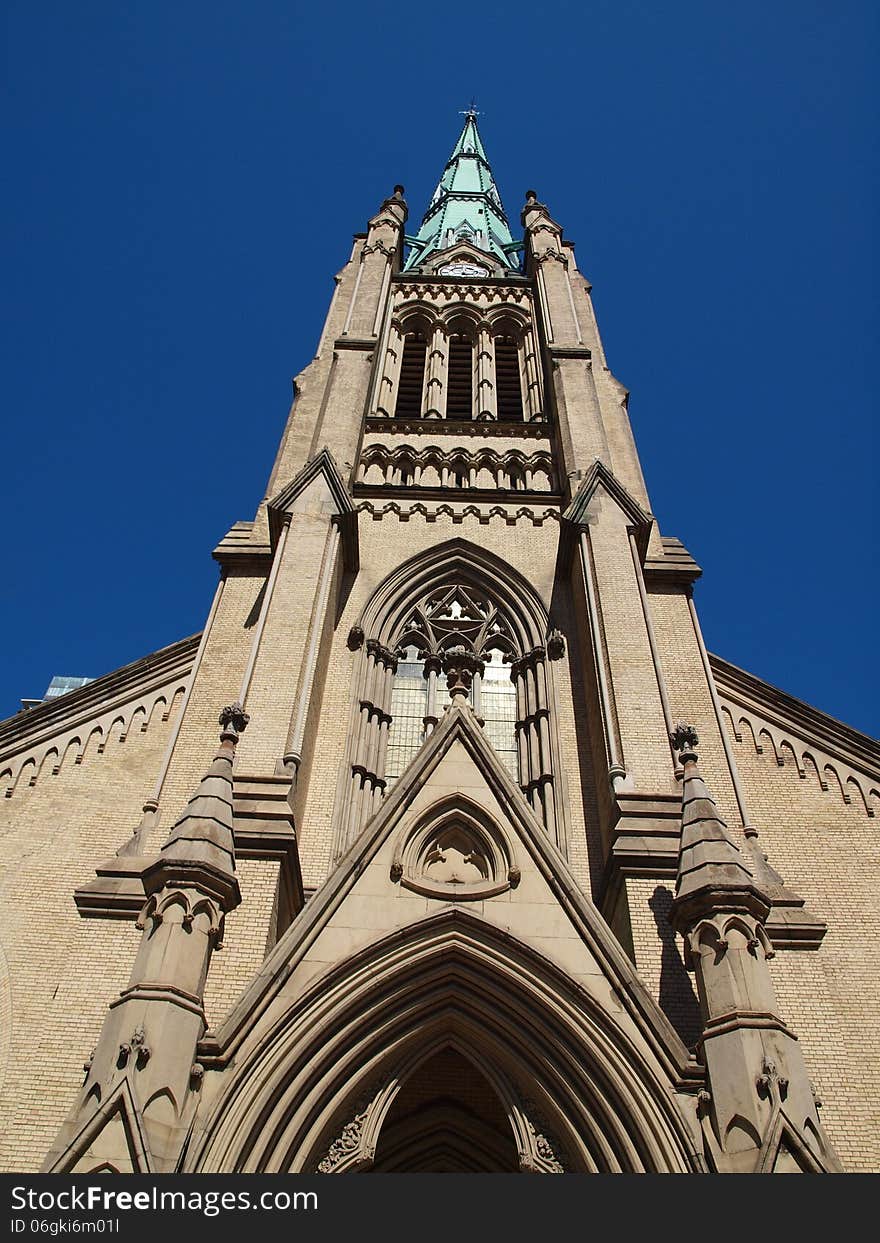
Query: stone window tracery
{"x": 453, "y": 619}
{"x": 457, "y": 636}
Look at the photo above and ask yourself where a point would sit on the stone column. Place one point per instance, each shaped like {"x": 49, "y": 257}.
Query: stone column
{"x": 433, "y": 666}
{"x": 533, "y": 736}
{"x": 435, "y": 374}
{"x": 487, "y": 406}
{"x": 532, "y": 377}
{"x": 371, "y": 739}
{"x": 386, "y": 394}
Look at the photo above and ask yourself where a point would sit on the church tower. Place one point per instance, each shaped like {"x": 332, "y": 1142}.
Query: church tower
{"x": 455, "y": 893}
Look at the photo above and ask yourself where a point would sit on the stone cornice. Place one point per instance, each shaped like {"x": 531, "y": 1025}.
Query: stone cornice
{"x": 30, "y": 728}
{"x": 485, "y": 496}
{"x": 675, "y": 568}
{"x": 354, "y": 343}
{"x": 840, "y": 741}
{"x": 539, "y": 430}
{"x": 569, "y": 351}
{"x": 455, "y": 284}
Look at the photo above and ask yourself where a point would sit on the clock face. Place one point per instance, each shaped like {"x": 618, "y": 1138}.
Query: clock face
{"x": 463, "y": 269}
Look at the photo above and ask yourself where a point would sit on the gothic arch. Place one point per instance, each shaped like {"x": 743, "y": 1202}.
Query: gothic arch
{"x": 385, "y": 628}
{"x": 475, "y": 565}
{"x": 336, "y": 1059}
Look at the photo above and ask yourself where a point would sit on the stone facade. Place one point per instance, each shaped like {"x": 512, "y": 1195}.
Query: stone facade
{"x": 452, "y": 871}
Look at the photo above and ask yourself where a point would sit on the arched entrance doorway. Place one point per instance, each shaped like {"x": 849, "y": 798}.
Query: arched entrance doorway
{"x": 446, "y": 1119}
{"x": 446, "y": 1045}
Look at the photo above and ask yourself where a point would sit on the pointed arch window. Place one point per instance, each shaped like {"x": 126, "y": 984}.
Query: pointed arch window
{"x": 460, "y": 385}
{"x": 469, "y": 617}
{"x": 412, "y": 377}
{"x": 454, "y": 617}
{"x": 508, "y": 379}
{"x": 498, "y": 710}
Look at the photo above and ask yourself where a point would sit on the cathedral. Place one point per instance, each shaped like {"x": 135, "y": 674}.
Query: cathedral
{"x": 446, "y": 846}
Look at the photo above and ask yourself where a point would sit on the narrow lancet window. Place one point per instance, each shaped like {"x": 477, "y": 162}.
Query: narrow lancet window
{"x": 498, "y": 710}
{"x": 507, "y": 378}
{"x": 409, "y": 704}
{"x": 412, "y": 377}
{"x": 460, "y": 390}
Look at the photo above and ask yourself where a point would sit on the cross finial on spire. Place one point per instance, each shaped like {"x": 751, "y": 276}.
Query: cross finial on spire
{"x": 471, "y": 111}
{"x": 466, "y": 205}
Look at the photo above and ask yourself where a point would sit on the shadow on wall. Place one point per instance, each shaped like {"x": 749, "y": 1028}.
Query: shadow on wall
{"x": 677, "y": 998}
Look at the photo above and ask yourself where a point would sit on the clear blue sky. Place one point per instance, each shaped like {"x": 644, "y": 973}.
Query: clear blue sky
{"x": 182, "y": 181}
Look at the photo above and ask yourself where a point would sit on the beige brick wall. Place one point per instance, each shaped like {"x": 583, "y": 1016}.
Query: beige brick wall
{"x": 57, "y": 971}
{"x": 688, "y": 692}
{"x": 216, "y": 684}
{"x": 245, "y": 940}
{"x": 829, "y": 854}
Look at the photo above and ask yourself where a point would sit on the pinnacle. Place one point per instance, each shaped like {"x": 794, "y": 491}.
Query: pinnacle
{"x": 710, "y": 863}
{"x": 204, "y": 831}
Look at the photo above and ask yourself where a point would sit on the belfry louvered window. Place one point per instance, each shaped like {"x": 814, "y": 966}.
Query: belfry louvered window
{"x": 412, "y": 376}
{"x": 459, "y": 399}
{"x": 507, "y": 379}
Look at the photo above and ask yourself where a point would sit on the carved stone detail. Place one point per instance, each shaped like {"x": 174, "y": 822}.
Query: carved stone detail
{"x": 770, "y": 1083}
{"x": 455, "y": 852}
{"x": 684, "y": 737}
{"x": 555, "y": 644}
{"x": 546, "y": 1146}
{"x": 460, "y": 667}
{"x": 233, "y": 720}
{"x": 136, "y": 1046}
{"x": 346, "y": 1143}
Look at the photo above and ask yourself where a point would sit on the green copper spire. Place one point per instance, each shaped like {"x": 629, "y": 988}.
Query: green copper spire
{"x": 466, "y": 206}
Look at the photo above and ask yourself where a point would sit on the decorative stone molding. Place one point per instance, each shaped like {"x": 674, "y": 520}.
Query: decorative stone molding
{"x": 388, "y": 251}
{"x": 345, "y": 1145}
{"x": 483, "y": 515}
{"x": 433, "y": 467}
{"x": 455, "y": 852}
{"x": 411, "y": 292}
{"x": 819, "y": 758}
{"x": 535, "y": 429}
{"x": 544, "y": 1158}
{"x": 552, "y": 253}
{"x": 42, "y": 742}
